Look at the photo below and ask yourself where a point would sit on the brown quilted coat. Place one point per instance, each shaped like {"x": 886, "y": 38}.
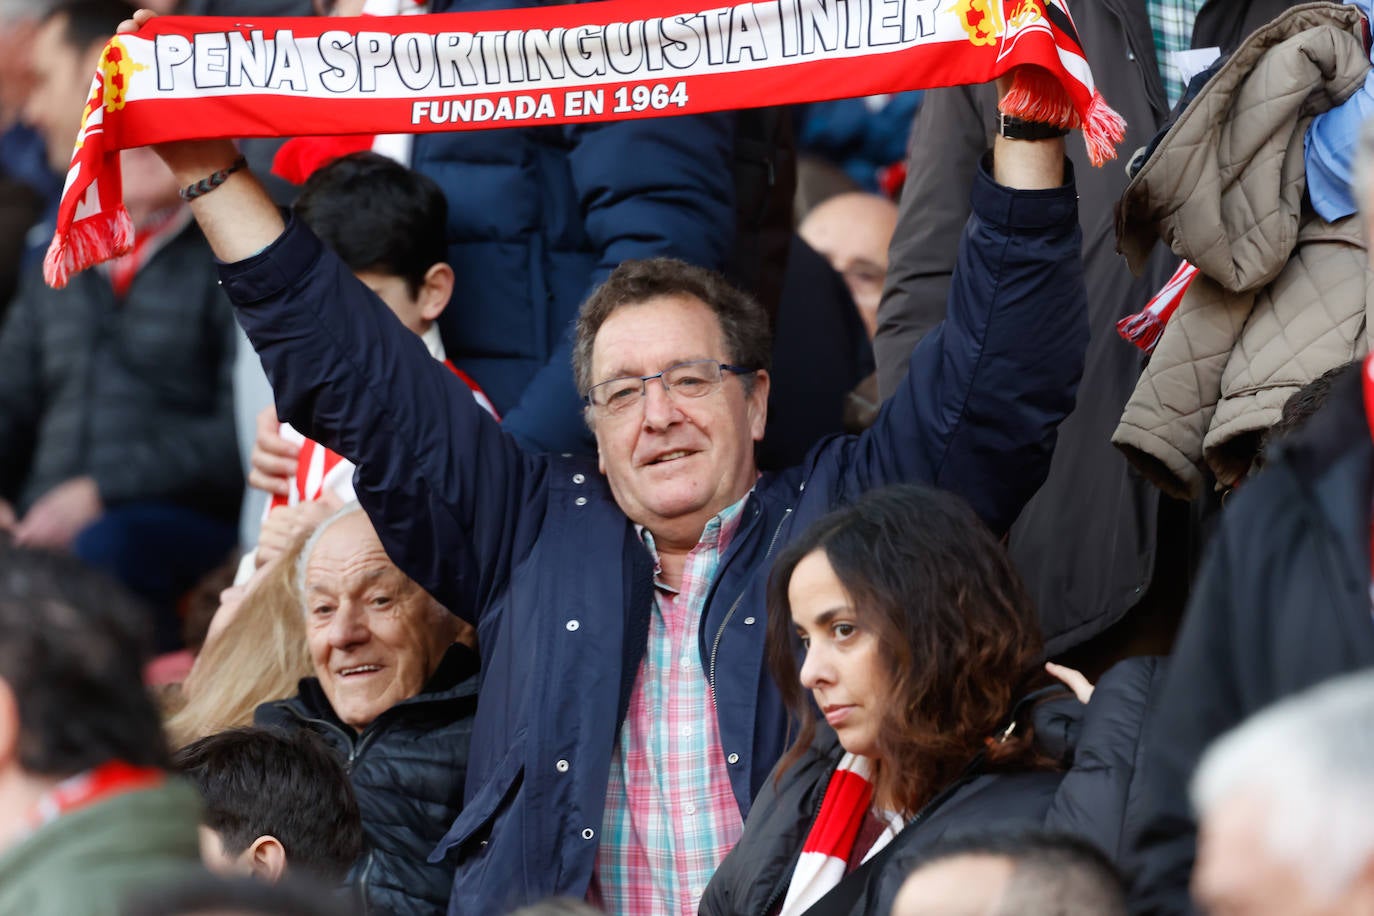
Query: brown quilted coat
{"x": 1281, "y": 296}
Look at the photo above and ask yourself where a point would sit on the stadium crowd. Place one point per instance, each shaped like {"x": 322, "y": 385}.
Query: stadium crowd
{"x": 865, "y": 507}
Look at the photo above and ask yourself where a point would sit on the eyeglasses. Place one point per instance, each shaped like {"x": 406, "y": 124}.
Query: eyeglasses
{"x": 695, "y": 379}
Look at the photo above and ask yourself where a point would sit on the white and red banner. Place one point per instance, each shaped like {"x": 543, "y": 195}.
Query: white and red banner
{"x": 182, "y": 78}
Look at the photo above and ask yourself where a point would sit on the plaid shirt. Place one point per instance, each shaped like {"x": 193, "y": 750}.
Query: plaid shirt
{"x": 1172, "y": 24}
{"x": 670, "y": 813}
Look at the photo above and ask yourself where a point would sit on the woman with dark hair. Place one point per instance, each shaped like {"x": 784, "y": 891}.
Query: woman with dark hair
{"x": 922, "y": 653}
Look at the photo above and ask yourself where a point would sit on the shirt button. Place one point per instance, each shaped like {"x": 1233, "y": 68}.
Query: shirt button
{"x": 588, "y": 833}
{"x": 579, "y": 478}
{"x": 748, "y": 621}
{"x": 581, "y": 501}
{"x": 686, "y": 731}
{"x": 732, "y": 759}
{"x": 690, "y": 809}
{"x": 572, "y": 626}
{"x": 561, "y": 766}
{"x": 685, "y": 662}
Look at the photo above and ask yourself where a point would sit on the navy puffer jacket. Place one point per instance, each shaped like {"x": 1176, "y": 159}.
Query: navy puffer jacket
{"x": 407, "y": 770}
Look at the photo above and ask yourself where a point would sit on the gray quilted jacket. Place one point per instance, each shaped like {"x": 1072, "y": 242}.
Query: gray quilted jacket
{"x": 135, "y": 392}
{"x": 1281, "y": 296}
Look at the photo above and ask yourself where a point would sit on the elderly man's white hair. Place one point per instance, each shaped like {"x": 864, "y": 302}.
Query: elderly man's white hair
{"x": 1307, "y": 758}
{"x": 303, "y": 561}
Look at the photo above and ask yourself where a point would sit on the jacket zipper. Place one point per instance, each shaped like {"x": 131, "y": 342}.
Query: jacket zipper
{"x": 781, "y": 888}
{"x": 715, "y": 645}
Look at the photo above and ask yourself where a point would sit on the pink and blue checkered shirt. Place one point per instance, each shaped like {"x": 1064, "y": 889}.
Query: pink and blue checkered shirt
{"x": 671, "y": 815}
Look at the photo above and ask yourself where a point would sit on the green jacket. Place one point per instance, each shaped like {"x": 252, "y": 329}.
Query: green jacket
{"x": 85, "y": 863}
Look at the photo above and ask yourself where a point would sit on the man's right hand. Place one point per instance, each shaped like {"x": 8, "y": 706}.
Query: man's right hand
{"x": 237, "y": 217}
{"x": 9, "y": 520}
{"x": 273, "y": 462}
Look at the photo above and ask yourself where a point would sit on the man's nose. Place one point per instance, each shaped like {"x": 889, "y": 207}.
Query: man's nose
{"x": 349, "y": 626}
{"x": 660, "y": 407}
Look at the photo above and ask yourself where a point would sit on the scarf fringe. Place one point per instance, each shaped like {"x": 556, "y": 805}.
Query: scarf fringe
{"x": 1142, "y": 329}
{"x": 97, "y": 238}
{"x": 1036, "y": 95}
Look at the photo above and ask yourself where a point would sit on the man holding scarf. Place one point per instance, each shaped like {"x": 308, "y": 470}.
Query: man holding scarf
{"x": 625, "y": 721}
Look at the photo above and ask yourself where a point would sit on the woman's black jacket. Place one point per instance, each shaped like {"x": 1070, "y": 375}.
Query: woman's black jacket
{"x": 1093, "y": 797}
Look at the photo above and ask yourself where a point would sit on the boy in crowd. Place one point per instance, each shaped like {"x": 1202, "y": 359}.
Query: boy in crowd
{"x": 274, "y": 802}
{"x": 386, "y": 223}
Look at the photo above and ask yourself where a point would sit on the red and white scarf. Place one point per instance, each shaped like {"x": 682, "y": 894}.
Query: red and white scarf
{"x": 90, "y": 788}
{"x": 181, "y": 78}
{"x": 1145, "y": 327}
{"x": 830, "y": 844}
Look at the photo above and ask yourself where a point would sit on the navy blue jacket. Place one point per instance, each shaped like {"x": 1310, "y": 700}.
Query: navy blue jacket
{"x": 536, "y": 552}
{"x": 538, "y": 217}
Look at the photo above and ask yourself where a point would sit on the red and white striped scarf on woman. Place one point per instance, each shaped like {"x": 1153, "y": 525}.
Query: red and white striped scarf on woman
{"x": 830, "y": 844}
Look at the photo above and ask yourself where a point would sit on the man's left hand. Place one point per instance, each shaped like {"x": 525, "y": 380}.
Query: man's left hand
{"x": 60, "y": 515}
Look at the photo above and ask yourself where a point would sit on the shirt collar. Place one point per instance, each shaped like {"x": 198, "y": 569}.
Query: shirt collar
{"x": 720, "y": 528}
{"x": 434, "y": 343}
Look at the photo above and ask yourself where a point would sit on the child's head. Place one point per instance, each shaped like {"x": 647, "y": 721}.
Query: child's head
{"x": 273, "y": 801}
{"x": 389, "y": 225}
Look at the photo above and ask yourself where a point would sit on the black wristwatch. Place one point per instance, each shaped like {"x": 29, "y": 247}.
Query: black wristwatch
{"x": 1014, "y": 128}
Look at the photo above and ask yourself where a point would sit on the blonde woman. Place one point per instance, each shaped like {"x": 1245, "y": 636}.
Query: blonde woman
{"x": 254, "y": 652}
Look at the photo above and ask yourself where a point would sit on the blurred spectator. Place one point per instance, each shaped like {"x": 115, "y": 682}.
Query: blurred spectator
{"x": 558, "y": 906}
{"x": 209, "y": 895}
{"x": 1016, "y": 873}
{"x": 1281, "y": 603}
{"x": 1330, "y": 146}
{"x": 387, "y": 224}
{"x": 1284, "y": 801}
{"x": 394, "y": 695}
{"x": 28, "y": 187}
{"x": 821, "y": 352}
{"x": 86, "y": 809}
{"x": 276, "y": 804}
{"x": 116, "y": 422}
{"x": 866, "y": 137}
{"x": 585, "y": 643}
{"x": 854, "y": 231}
{"x": 254, "y": 652}
{"x": 924, "y": 657}
{"x": 1096, "y": 541}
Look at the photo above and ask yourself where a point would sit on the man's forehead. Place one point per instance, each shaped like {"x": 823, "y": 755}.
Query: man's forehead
{"x": 659, "y": 332}
{"x": 350, "y": 541}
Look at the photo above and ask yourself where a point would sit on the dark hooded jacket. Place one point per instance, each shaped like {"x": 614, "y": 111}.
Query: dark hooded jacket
{"x": 1283, "y": 603}
{"x": 1092, "y": 798}
{"x": 407, "y": 770}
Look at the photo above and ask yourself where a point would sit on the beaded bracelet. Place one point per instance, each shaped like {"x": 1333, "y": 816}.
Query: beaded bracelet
{"x": 212, "y": 181}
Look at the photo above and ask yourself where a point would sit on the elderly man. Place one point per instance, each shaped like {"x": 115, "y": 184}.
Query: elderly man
{"x": 395, "y": 695}
{"x": 1292, "y": 835}
{"x": 626, "y": 720}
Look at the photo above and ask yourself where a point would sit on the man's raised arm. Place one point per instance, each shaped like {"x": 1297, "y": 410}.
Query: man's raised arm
{"x": 435, "y": 472}
{"x": 986, "y": 388}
